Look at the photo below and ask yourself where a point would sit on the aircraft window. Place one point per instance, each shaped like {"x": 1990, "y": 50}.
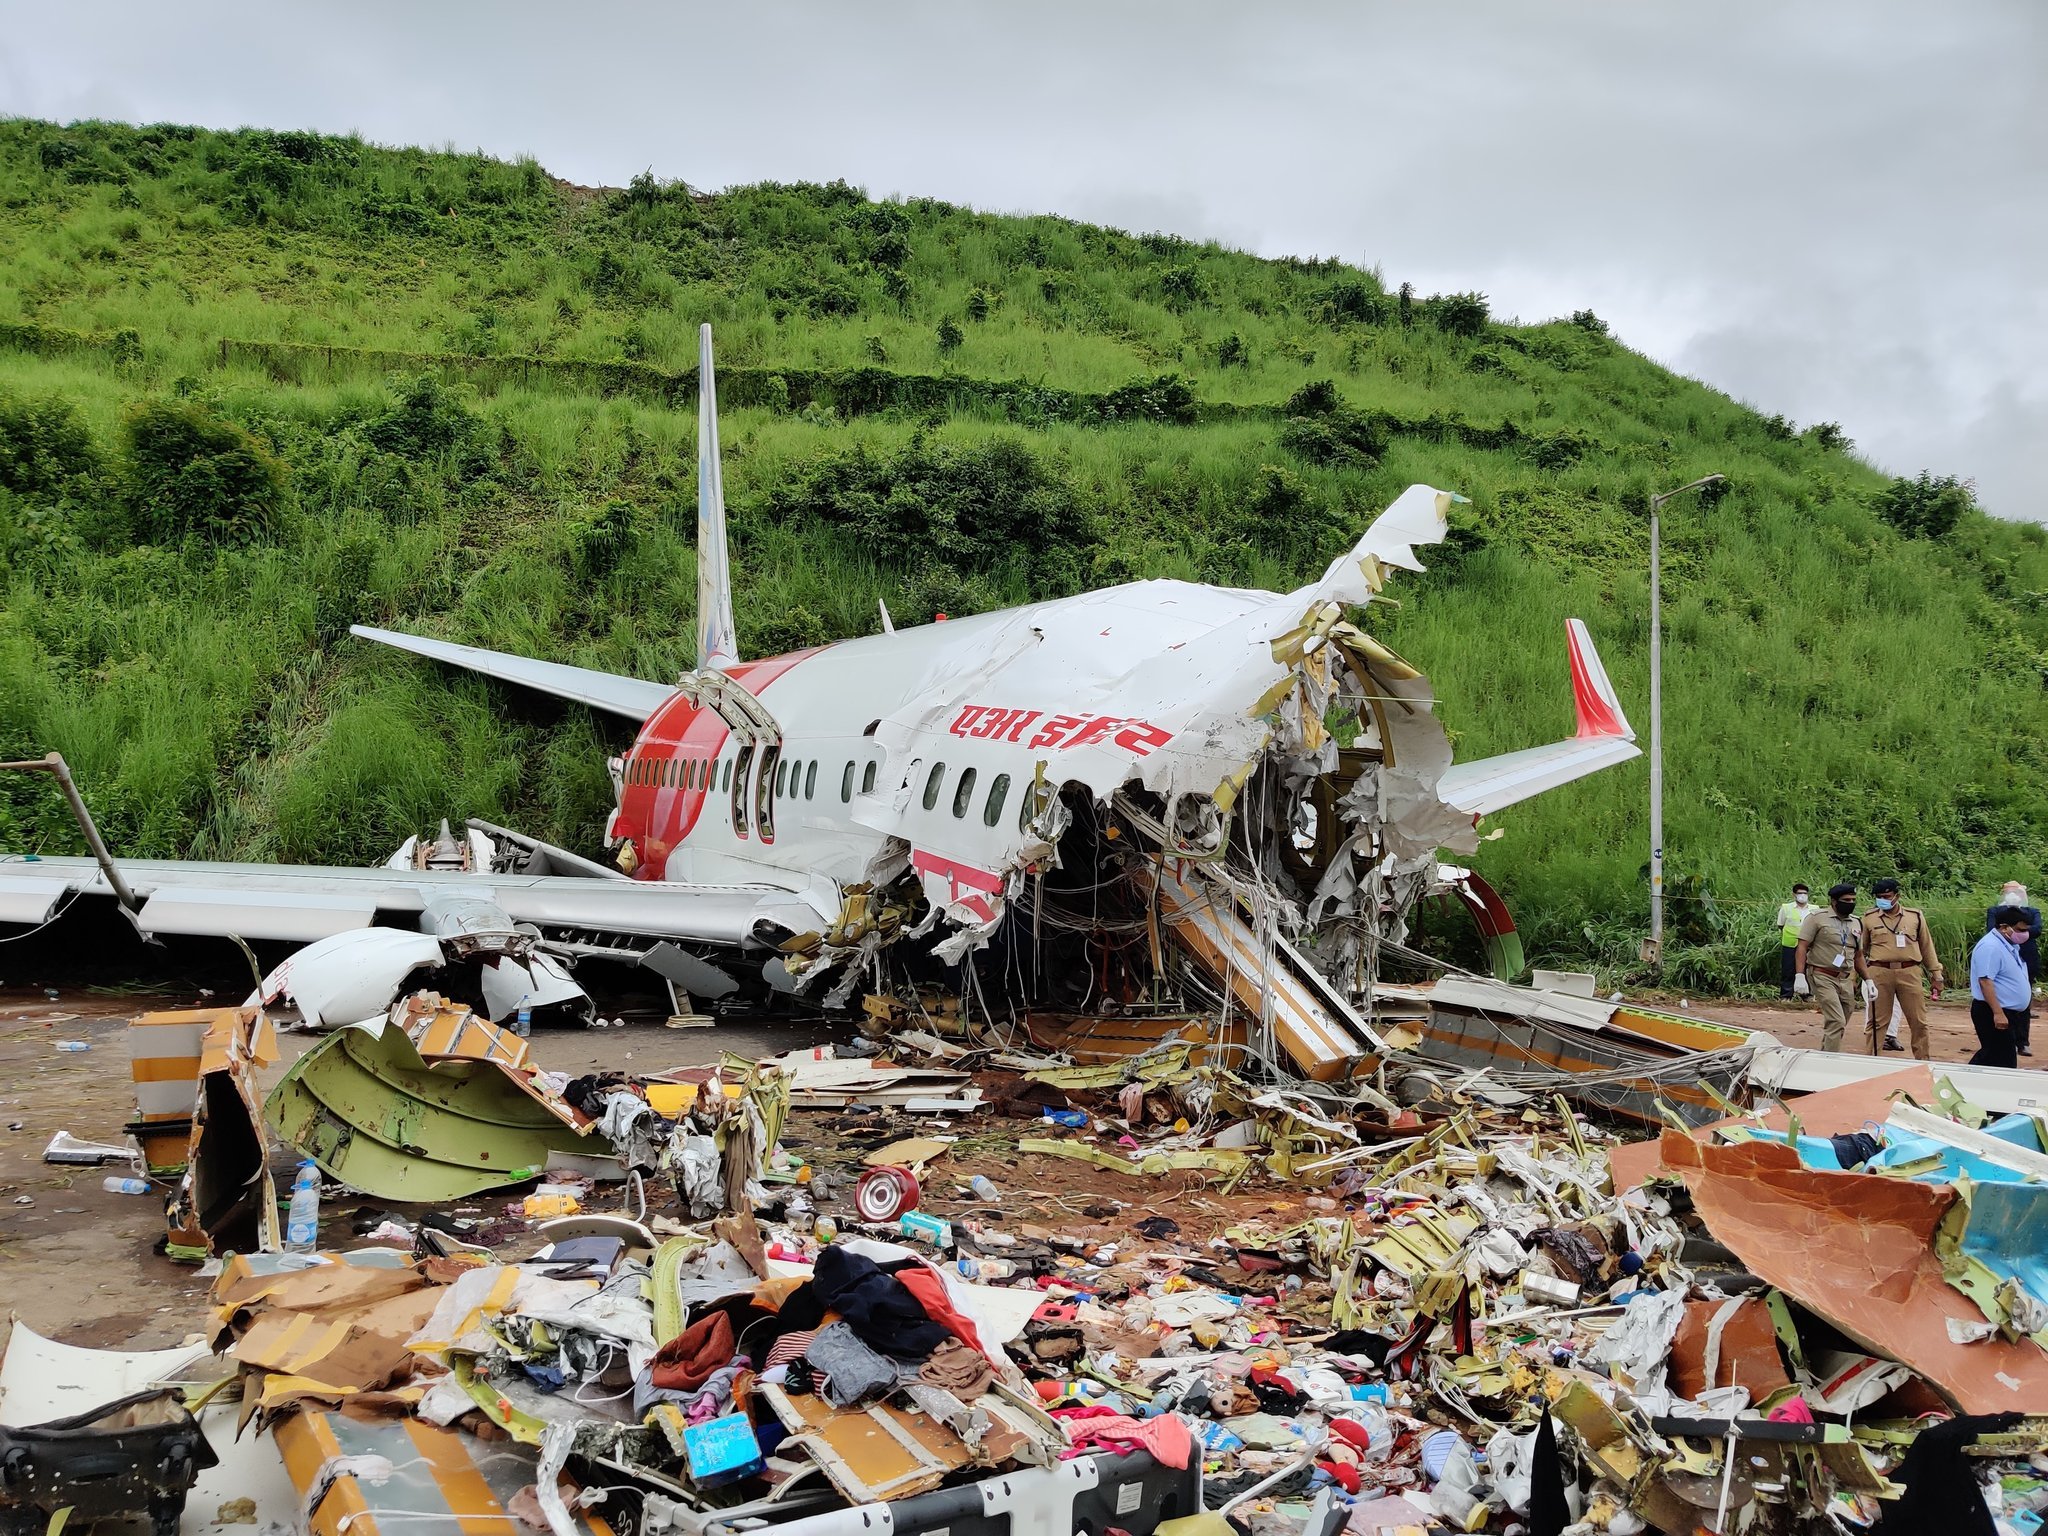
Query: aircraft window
{"x": 992, "y": 812}
{"x": 811, "y": 780}
{"x": 867, "y": 780}
{"x": 963, "y": 796}
{"x": 781, "y": 776}
{"x": 725, "y": 773}
{"x": 846, "y": 783}
{"x": 932, "y": 783}
{"x": 672, "y": 772}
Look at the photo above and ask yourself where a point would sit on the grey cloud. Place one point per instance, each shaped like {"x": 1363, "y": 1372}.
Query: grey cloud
{"x": 1830, "y": 208}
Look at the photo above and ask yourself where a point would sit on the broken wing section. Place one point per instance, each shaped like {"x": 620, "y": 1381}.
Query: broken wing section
{"x": 1604, "y": 738}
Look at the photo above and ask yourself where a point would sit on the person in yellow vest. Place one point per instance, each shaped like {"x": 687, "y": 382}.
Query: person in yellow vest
{"x": 1790, "y": 915}
{"x": 1829, "y": 955}
{"x": 1898, "y": 950}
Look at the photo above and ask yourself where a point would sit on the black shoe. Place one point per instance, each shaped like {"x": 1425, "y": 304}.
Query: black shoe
{"x": 1893, "y": 1045}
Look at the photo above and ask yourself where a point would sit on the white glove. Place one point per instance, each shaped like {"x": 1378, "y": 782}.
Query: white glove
{"x": 1799, "y": 987}
{"x": 1869, "y": 990}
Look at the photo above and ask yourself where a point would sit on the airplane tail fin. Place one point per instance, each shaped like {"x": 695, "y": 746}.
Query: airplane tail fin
{"x": 1593, "y": 696}
{"x": 717, "y": 640}
{"x": 1604, "y": 738}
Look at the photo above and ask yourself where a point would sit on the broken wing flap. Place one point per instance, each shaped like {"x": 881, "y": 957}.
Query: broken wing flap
{"x": 1603, "y": 738}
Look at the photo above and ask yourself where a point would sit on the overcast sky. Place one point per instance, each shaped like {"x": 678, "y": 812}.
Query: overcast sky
{"x": 1834, "y": 210}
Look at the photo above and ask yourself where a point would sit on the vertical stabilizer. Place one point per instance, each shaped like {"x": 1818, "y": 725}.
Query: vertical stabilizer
{"x": 717, "y": 644}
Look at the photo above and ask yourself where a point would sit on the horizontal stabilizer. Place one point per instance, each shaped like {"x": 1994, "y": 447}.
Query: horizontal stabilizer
{"x": 628, "y": 696}
{"x": 1604, "y": 738}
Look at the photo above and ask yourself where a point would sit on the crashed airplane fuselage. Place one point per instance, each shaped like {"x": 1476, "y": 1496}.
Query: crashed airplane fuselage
{"x": 928, "y": 783}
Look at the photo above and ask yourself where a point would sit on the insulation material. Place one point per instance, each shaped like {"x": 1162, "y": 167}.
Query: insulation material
{"x": 1858, "y": 1250}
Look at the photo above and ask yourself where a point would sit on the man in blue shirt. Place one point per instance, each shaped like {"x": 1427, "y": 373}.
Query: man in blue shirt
{"x": 2015, "y": 895}
{"x": 2000, "y": 994}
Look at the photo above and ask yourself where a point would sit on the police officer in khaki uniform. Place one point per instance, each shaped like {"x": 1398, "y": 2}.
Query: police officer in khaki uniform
{"x": 1898, "y": 950}
{"x": 1829, "y": 962}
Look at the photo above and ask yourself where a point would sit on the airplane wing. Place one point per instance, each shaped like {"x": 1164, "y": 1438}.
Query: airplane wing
{"x": 1604, "y": 738}
{"x": 628, "y": 696}
{"x": 301, "y": 903}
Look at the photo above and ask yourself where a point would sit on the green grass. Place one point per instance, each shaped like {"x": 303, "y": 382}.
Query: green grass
{"x": 1841, "y": 700}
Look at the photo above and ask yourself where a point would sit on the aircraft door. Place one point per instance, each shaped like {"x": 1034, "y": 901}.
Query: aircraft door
{"x": 764, "y": 792}
{"x": 740, "y": 789}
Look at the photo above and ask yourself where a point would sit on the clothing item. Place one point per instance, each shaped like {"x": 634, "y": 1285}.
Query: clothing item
{"x": 958, "y": 1369}
{"x": 1998, "y": 962}
{"x": 930, "y": 1291}
{"x": 789, "y": 1347}
{"x": 876, "y": 1305}
{"x": 1166, "y": 1436}
{"x": 1836, "y": 997}
{"x": 852, "y": 1373}
{"x": 693, "y": 1356}
{"x": 2030, "y": 951}
{"x": 1901, "y": 985}
{"x": 1899, "y": 938}
{"x": 1831, "y": 941}
{"x": 1941, "y": 1482}
{"x": 1790, "y": 916}
{"x": 1996, "y": 1047}
{"x": 1787, "y": 954}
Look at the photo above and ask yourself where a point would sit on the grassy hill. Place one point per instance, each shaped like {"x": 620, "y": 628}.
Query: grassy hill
{"x": 255, "y": 386}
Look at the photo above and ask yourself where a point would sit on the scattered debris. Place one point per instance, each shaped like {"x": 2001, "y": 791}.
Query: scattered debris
{"x": 1133, "y": 1289}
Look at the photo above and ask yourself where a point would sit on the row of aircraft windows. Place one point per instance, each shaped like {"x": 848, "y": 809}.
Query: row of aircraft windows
{"x": 798, "y": 779}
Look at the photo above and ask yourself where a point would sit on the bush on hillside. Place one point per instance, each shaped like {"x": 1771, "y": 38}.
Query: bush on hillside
{"x": 1926, "y": 507}
{"x": 43, "y": 446}
{"x": 599, "y": 542}
{"x": 427, "y": 421}
{"x": 1353, "y": 302}
{"x": 1460, "y": 314}
{"x": 192, "y": 473}
{"x": 942, "y": 507}
{"x": 950, "y": 335}
{"x": 795, "y": 628}
{"x": 1322, "y": 429}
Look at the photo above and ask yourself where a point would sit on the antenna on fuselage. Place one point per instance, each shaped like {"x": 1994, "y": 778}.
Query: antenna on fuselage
{"x": 888, "y": 624}
{"x": 717, "y": 639}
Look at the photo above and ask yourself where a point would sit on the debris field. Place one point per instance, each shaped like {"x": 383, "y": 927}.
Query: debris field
{"x": 1104, "y": 1285}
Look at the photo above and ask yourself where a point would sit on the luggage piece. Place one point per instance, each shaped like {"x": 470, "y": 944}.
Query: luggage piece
{"x": 139, "y": 1455}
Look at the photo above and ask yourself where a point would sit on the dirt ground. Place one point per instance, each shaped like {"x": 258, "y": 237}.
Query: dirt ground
{"x": 1949, "y": 1035}
{"x": 77, "y": 1262}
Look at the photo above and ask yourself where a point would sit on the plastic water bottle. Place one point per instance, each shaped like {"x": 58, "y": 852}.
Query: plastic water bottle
{"x": 302, "y": 1228}
{"x": 524, "y": 1027}
{"x": 74, "y": 1046}
{"x": 114, "y": 1184}
{"x": 985, "y": 1187}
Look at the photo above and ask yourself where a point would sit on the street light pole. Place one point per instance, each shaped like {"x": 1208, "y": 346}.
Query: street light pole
{"x": 1653, "y": 951}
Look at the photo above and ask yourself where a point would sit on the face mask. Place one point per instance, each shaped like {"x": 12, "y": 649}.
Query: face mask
{"x": 1799, "y": 900}
{"x": 2015, "y": 898}
{"x": 1884, "y": 903}
{"x": 1845, "y": 906}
